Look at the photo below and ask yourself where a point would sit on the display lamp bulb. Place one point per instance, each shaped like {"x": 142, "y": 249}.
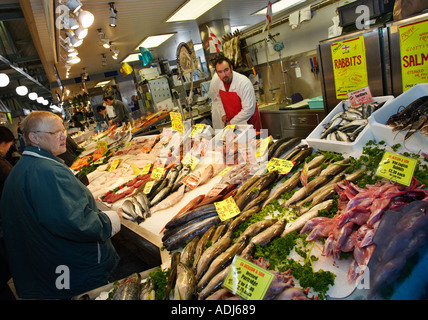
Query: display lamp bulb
{"x": 32, "y": 96}
{"x": 40, "y": 99}
{"x": 22, "y": 90}
{"x": 4, "y": 80}
{"x": 86, "y": 19}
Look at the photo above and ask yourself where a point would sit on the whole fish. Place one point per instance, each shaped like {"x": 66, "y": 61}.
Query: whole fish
{"x": 161, "y": 195}
{"x": 242, "y": 217}
{"x": 128, "y": 289}
{"x": 211, "y": 253}
{"x": 261, "y": 198}
{"x": 335, "y": 168}
{"x": 144, "y": 202}
{"x": 214, "y": 283}
{"x": 138, "y": 208}
{"x": 286, "y": 186}
{"x": 316, "y": 162}
{"x": 197, "y": 229}
{"x": 247, "y": 184}
{"x": 179, "y": 180}
{"x": 189, "y": 251}
{"x": 286, "y": 147}
{"x": 206, "y": 175}
{"x": 255, "y": 189}
{"x": 272, "y": 148}
{"x": 258, "y": 226}
{"x": 222, "y": 261}
{"x": 170, "y": 200}
{"x": 264, "y": 237}
{"x": 221, "y": 230}
{"x": 156, "y": 188}
{"x": 129, "y": 208}
{"x": 190, "y": 215}
{"x": 306, "y": 190}
{"x": 200, "y": 247}
{"x": 185, "y": 283}
{"x": 301, "y": 155}
{"x": 321, "y": 193}
{"x": 172, "y": 277}
{"x": 300, "y": 222}
{"x": 192, "y": 204}
{"x": 148, "y": 291}
{"x": 173, "y": 174}
{"x": 354, "y": 176}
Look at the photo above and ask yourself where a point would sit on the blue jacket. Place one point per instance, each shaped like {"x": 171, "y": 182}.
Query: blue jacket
{"x": 57, "y": 240}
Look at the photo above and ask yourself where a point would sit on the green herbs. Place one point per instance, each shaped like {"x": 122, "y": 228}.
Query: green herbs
{"x": 277, "y": 252}
{"x": 160, "y": 282}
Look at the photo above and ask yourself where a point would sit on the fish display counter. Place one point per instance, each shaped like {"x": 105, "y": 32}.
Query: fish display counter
{"x": 315, "y": 220}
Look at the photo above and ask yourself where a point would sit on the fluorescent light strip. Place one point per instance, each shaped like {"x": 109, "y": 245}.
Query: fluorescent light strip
{"x": 154, "y": 41}
{"x": 280, "y": 6}
{"x": 131, "y": 57}
{"x": 192, "y": 10}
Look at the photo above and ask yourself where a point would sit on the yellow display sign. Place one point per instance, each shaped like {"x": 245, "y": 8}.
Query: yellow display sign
{"x": 198, "y": 128}
{"x": 176, "y": 121}
{"x": 263, "y": 146}
{"x": 247, "y": 279}
{"x": 227, "y": 209}
{"x": 397, "y": 168}
{"x": 190, "y": 160}
{"x": 148, "y": 187}
{"x": 349, "y": 66}
{"x": 281, "y": 165}
{"x": 414, "y": 53}
{"x": 114, "y": 165}
{"x": 146, "y": 168}
{"x": 135, "y": 169}
{"x": 157, "y": 173}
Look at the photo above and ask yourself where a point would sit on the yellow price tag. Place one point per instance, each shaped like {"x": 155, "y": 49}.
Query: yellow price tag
{"x": 228, "y": 127}
{"x": 146, "y": 168}
{"x": 247, "y": 279}
{"x": 225, "y": 170}
{"x": 281, "y": 165}
{"x": 176, "y": 121}
{"x": 114, "y": 165}
{"x": 227, "y": 209}
{"x": 148, "y": 187}
{"x": 102, "y": 144}
{"x": 397, "y": 168}
{"x": 198, "y": 128}
{"x": 190, "y": 160}
{"x": 135, "y": 169}
{"x": 263, "y": 146}
{"x": 157, "y": 173}
{"x": 128, "y": 144}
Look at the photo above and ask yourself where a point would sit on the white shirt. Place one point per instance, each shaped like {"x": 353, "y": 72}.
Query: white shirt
{"x": 243, "y": 88}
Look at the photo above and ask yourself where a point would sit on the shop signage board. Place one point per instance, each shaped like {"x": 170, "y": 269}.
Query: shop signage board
{"x": 397, "y": 168}
{"x": 349, "y": 66}
{"x": 414, "y": 53}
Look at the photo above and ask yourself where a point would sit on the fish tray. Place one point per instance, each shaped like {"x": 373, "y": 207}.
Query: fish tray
{"x": 417, "y": 142}
{"x": 350, "y": 148}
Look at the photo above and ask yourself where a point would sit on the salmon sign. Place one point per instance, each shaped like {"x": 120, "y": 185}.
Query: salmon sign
{"x": 414, "y": 53}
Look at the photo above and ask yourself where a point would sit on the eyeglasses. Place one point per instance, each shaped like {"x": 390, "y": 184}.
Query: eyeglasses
{"x": 58, "y": 134}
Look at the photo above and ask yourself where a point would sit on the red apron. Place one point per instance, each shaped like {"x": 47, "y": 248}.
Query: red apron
{"x": 232, "y": 106}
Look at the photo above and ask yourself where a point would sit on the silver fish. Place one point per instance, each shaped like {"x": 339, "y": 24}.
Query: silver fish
{"x": 299, "y": 223}
{"x": 144, "y": 202}
{"x": 170, "y": 200}
{"x": 128, "y": 289}
{"x": 161, "y": 195}
{"x": 129, "y": 208}
{"x": 148, "y": 290}
{"x": 185, "y": 283}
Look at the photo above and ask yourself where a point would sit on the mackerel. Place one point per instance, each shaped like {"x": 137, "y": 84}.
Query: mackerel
{"x": 211, "y": 253}
{"x": 299, "y": 223}
{"x": 190, "y": 215}
{"x": 196, "y": 229}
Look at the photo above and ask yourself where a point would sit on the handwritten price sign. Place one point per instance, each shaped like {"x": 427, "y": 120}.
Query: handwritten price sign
{"x": 226, "y": 209}
{"x": 176, "y": 121}
{"x": 280, "y": 165}
{"x": 157, "y": 173}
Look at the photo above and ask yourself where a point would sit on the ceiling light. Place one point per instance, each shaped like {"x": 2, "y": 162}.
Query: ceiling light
{"x": 22, "y": 90}
{"x": 192, "y": 9}
{"x": 131, "y": 57}
{"x": 32, "y": 96}
{"x": 86, "y": 19}
{"x": 73, "y": 54}
{"x": 67, "y": 47}
{"x": 45, "y": 102}
{"x": 4, "y": 80}
{"x": 81, "y": 33}
{"x": 74, "y": 5}
{"x": 74, "y": 60}
{"x": 113, "y": 15}
{"x": 40, "y": 99}
{"x": 74, "y": 41}
{"x": 154, "y": 41}
{"x": 106, "y": 43}
{"x": 279, "y": 6}
{"x": 72, "y": 23}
